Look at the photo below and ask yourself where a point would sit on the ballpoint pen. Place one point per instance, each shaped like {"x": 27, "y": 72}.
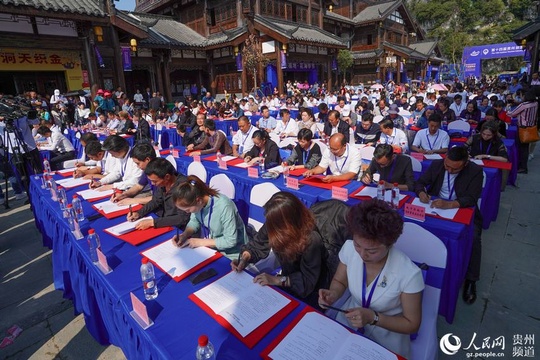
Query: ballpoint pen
{"x": 335, "y": 308}
{"x": 130, "y": 210}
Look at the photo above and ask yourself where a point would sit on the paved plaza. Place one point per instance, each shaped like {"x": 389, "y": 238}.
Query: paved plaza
{"x": 507, "y": 302}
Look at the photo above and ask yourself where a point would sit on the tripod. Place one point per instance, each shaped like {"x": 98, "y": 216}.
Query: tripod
{"x": 17, "y": 156}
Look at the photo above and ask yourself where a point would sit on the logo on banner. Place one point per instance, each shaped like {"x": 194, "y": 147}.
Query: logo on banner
{"x": 485, "y": 51}
{"x": 475, "y": 53}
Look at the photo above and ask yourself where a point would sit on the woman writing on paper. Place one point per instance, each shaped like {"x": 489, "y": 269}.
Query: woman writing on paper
{"x": 214, "y": 215}
{"x": 306, "y": 154}
{"x": 487, "y": 144}
{"x": 265, "y": 150}
{"x": 385, "y": 285}
{"x": 290, "y": 231}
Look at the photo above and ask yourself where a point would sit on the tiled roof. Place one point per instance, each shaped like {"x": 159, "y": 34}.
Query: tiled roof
{"x": 424, "y": 47}
{"x": 334, "y": 16}
{"x": 301, "y": 32}
{"x": 84, "y": 7}
{"x": 225, "y": 35}
{"x": 406, "y": 50}
{"x": 376, "y": 12}
{"x": 363, "y": 55}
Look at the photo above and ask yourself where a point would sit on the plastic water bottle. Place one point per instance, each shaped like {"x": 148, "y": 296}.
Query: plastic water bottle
{"x": 205, "y": 350}
{"x": 53, "y": 188}
{"x": 62, "y": 198}
{"x": 171, "y": 148}
{"x": 45, "y": 180}
{"x": 261, "y": 167}
{"x": 93, "y": 245}
{"x": 77, "y": 208}
{"x": 218, "y": 155}
{"x": 395, "y": 196}
{"x": 285, "y": 173}
{"x": 72, "y": 218}
{"x": 46, "y": 166}
{"x": 380, "y": 190}
{"x": 149, "y": 280}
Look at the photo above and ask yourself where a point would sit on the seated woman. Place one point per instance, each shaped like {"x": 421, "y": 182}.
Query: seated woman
{"x": 385, "y": 285}
{"x": 306, "y": 154}
{"x": 487, "y": 144}
{"x": 290, "y": 231}
{"x": 265, "y": 149}
{"x": 216, "y": 216}
{"x": 471, "y": 113}
{"x": 493, "y": 116}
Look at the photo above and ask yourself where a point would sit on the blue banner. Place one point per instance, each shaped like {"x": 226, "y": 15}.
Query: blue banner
{"x": 239, "y": 66}
{"x": 473, "y": 55}
{"x": 126, "y": 58}
{"x": 99, "y": 59}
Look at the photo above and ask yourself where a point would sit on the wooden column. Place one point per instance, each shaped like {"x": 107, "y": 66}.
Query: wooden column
{"x": 279, "y": 69}
{"x": 118, "y": 67}
{"x": 329, "y": 72}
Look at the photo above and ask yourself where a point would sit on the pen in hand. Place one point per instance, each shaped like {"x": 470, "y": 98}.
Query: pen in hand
{"x": 240, "y": 260}
{"x": 335, "y": 308}
{"x": 130, "y": 210}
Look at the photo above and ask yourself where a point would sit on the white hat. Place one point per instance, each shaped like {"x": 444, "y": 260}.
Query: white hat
{"x": 346, "y": 111}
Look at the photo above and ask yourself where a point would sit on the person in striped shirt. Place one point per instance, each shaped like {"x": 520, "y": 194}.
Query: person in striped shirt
{"x": 526, "y": 113}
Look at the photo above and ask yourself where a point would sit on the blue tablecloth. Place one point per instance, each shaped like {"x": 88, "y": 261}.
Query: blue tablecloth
{"x": 104, "y": 299}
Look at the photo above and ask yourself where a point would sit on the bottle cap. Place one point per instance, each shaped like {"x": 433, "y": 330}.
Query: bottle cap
{"x": 144, "y": 260}
{"x": 59, "y": 187}
{"x": 75, "y": 196}
{"x": 395, "y": 184}
{"x": 203, "y": 340}
{"x": 69, "y": 206}
{"x": 381, "y": 182}
{"x": 91, "y": 231}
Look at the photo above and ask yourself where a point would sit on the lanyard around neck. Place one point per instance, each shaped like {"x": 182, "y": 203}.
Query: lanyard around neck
{"x": 429, "y": 142}
{"x": 206, "y": 229}
{"x": 342, "y": 165}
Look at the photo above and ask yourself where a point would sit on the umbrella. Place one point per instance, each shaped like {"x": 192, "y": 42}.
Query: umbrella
{"x": 376, "y": 87}
{"x": 439, "y": 87}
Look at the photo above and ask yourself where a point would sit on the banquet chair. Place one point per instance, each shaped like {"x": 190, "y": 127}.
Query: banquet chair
{"x": 197, "y": 169}
{"x": 459, "y": 125}
{"x": 351, "y": 137}
{"x": 367, "y": 152}
{"x": 172, "y": 160}
{"x": 69, "y": 164}
{"x": 483, "y": 186}
{"x": 377, "y": 119}
{"x": 322, "y": 145}
{"x": 416, "y": 164}
{"x": 422, "y": 247}
{"x": 224, "y": 185}
{"x": 260, "y": 194}
{"x": 159, "y": 131}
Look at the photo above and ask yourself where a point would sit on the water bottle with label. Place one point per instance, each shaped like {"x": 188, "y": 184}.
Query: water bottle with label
{"x": 77, "y": 208}
{"x": 72, "y": 218}
{"x": 44, "y": 180}
{"x": 219, "y": 156}
{"x": 285, "y": 172}
{"x": 62, "y": 198}
{"x": 54, "y": 189}
{"x": 47, "y": 166}
{"x": 93, "y": 245}
{"x": 380, "y": 190}
{"x": 149, "y": 279}
{"x": 261, "y": 166}
{"x": 205, "y": 350}
{"x": 395, "y": 196}
{"x": 171, "y": 148}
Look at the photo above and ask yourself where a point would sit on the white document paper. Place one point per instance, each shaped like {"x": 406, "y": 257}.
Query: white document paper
{"x": 243, "y": 165}
{"x": 177, "y": 261}
{"x": 65, "y": 171}
{"x": 433, "y": 156}
{"x": 445, "y": 213}
{"x": 317, "y": 337}
{"x": 91, "y": 194}
{"x": 242, "y": 303}
{"x": 125, "y": 227}
{"x": 278, "y": 169}
{"x": 372, "y": 192}
{"x": 478, "y": 162}
{"x": 109, "y": 207}
{"x": 71, "y": 183}
{"x": 227, "y": 158}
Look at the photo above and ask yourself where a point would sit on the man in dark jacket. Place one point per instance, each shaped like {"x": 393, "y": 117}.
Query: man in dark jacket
{"x": 457, "y": 183}
{"x": 335, "y": 125}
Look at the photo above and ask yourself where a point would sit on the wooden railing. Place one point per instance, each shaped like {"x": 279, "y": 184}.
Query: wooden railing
{"x": 231, "y": 82}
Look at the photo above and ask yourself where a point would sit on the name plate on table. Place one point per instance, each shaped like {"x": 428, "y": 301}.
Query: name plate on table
{"x": 176, "y": 153}
{"x": 415, "y": 212}
{"x": 418, "y": 156}
{"x": 253, "y": 172}
{"x": 340, "y": 193}
{"x": 103, "y": 264}
{"x": 139, "y": 313}
{"x": 197, "y": 158}
{"x": 222, "y": 164}
{"x": 292, "y": 183}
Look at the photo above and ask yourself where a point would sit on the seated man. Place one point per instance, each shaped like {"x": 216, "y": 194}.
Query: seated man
{"x": 392, "y": 136}
{"x": 139, "y": 193}
{"x": 432, "y": 140}
{"x": 343, "y": 160}
{"x": 267, "y": 122}
{"x": 393, "y": 114}
{"x": 335, "y": 125}
{"x": 125, "y": 173}
{"x": 242, "y": 140}
{"x": 367, "y": 132}
{"x": 457, "y": 183}
{"x": 164, "y": 177}
{"x": 285, "y": 127}
{"x": 392, "y": 168}
{"x": 213, "y": 142}
{"x": 105, "y": 162}
{"x": 60, "y": 147}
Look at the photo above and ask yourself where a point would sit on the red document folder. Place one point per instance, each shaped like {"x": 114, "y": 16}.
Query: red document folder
{"x": 317, "y": 181}
{"x": 117, "y": 213}
{"x": 256, "y": 335}
{"x": 66, "y": 174}
{"x": 138, "y": 237}
{"x": 364, "y": 198}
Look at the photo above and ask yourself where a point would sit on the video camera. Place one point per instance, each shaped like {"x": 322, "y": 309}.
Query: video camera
{"x": 13, "y": 108}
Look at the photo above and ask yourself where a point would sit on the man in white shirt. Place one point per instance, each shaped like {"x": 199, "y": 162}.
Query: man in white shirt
{"x": 458, "y": 105}
{"x": 126, "y": 173}
{"x": 138, "y": 97}
{"x": 285, "y": 127}
{"x": 395, "y": 137}
{"x": 432, "y": 140}
{"x": 105, "y": 162}
{"x": 113, "y": 123}
{"x": 60, "y": 147}
{"x": 242, "y": 141}
{"x": 343, "y": 160}
{"x": 267, "y": 122}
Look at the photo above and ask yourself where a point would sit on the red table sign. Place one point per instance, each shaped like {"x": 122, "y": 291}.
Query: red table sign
{"x": 139, "y": 312}
{"x": 197, "y": 158}
{"x": 292, "y": 183}
{"x": 222, "y": 164}
{"x": 418, "y": 156}
{"x": 415, "y": 212}
{"x": 176, "y": 153}
{"x": 105, "y": 268}
{"x": 340, "y": 193}
{"x": 253, "y": 172}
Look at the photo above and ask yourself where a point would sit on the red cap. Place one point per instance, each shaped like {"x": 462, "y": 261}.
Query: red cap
{"x": 100, "y": 91}
{"x": 381, "y": 182}
{"x": 75, "y": 196}
{"x": 203, "y": 340}
{"x": 144, "y": 260}
{"x": 91, "y": 231}
{"x": 69, "y": 206}
{"x": 396, "y": 184}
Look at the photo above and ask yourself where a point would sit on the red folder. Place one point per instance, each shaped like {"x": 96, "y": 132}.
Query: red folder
{"x": 66, "y": 174}
{"x": 297, "y": 172}
{"x": 365, "y": 198}
{"x": 193, "y": 270}
{"x": 256, "y": 335}
{"x": 234, "y": 162}
{"x": 138, "y": 237}
{"x": 117, "y": 213}
{"x": 497, "y": 164}
{"x": 317, "y": 182}
{"x": 266, "y": 352}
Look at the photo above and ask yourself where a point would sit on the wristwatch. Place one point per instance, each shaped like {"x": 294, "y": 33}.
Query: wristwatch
{"x": 489, "y": 156}
{"x": 283, "y": 280}
{"x": 375, "y": 318}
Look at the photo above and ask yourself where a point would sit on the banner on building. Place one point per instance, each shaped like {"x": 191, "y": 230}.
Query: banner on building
{"x": 239, "y": 66}
{"x": 283, "y": 60}
{"x": 99, "y": 59}
{"x": 126, "y": 58}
